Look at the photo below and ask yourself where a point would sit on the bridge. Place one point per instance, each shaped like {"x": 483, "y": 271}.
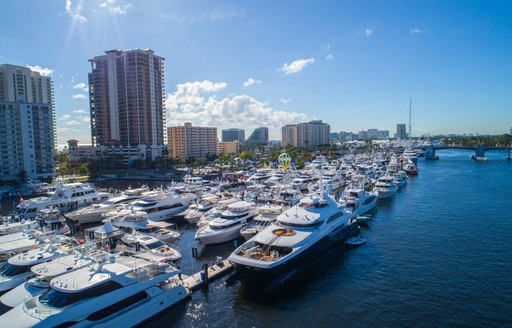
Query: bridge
{"x": 430, "y": 151}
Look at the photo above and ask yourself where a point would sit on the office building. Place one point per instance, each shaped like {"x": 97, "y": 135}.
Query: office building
{"x": 311, "y": 134}
{"x": 127, "y": 99}
{"x": 27, "y": 124}
{"x": 401, "y": 131}
{"x": 189, "y": 141}
{"x": 259, "y": 136}
{"x": 229, "y": 135}
{"x": 228, "y": 148}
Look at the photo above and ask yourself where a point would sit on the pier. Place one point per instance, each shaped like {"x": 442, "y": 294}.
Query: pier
{"x": 207, "y": 275}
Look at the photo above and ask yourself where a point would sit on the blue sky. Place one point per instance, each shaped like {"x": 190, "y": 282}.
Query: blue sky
{"x": 353, "y": 64}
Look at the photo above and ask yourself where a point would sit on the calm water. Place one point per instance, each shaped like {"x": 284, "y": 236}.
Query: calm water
{"x": 439, "y": 253}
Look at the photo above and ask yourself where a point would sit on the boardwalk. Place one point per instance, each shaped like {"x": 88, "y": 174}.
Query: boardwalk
{"x": 216, "y": 271}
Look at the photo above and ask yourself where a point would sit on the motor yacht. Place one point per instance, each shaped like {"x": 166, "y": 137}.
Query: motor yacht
{"x": 159, "y": 207}
{"x": 358, "y": 200}
{"x": 303, "y": 181}
{"x": 227, "y": 226}
{"x": 300, "y": 235}
{"x": 94, "y": 213}
{"x": 9, "y": 227}
{"x": 410, "y": 168}
{"x": 17, "y": 268}
{"x": 385, "y": 187}
{"x": 333, "y": 178}
{"x": 267, "y": 214}
{"x": 411, "y": 155}
{"x": 400, "y": 178}
{"x": 130, "y": 219}
{"x": 117, "y": 292}
{"x": 147, "y": 247}
{"x": 66, "y": 197}
{"x": 196, "y": 211}
{"x": 42, "y": 274}
{"x": 260, "y": 177}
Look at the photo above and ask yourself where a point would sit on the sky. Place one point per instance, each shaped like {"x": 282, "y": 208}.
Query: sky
{"x": 244, "y": 64}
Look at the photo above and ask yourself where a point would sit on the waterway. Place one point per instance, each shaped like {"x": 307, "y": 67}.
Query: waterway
{"x": 439, "y": 254}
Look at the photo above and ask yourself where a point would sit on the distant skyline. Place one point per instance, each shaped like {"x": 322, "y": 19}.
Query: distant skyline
{"x": 241, "y": 64}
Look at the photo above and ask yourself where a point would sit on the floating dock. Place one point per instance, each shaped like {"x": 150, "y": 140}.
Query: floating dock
{"x": 202, "y": 278}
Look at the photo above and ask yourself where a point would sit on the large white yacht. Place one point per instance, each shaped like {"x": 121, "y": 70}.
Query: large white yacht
{"x": 385, "y": 187}
{"x": 43, "y": 273}
{"x": 301, "y": 234}
{"x": 17, "y": 268}
{"x": 12, "y": 227}
{"x": 303, "y": 181}
{"x": 129, "y": 220}
{"x": 333, "y": 178}
{"x": 358, "y": 200}
{"x": 66, "y": 197}
{"x": 148, "y": 247}
{"x": 94, "y": 212}
{"x": 120, "y": 292}
{"x": 159, "y": 207}
{"x": 227, "y": 226}
{"x": 267, "y": 214}
{"x": 259, "y": 177}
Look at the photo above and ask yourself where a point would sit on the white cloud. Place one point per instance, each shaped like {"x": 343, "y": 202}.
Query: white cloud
{"x": 82, "y": 86}
{"x": 79, "y": 111}
{"x": 329, "y": 57}
{"x": 64, "y": 117}
{"x": 74, "y": 11}
{"x": 368, "y": 31}
{"x": 41, "y": 70}
{"x": 115, "y": 7}
{"x": 285, "y": 101}
{"x": 197, "y": 102}
{"x": 416, "y": 31}
{"x": 296, "y": 66}
{"x": 73, "y": 122}
{"x": 79, "y": 96}
{"x": 251, "y": 81}
{"x": 85, "y": 119}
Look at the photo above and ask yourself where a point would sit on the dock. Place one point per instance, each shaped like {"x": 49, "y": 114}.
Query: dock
{"x": 214, "y": 272}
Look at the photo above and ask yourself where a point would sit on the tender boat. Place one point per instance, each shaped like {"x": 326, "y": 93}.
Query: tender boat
{"x": 118, "y": 292}
{"x": 356, "y": 241}
{"x": 363, "y": 218}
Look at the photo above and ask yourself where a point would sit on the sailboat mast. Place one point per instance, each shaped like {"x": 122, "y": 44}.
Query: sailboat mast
{"x": 410, "y": 127}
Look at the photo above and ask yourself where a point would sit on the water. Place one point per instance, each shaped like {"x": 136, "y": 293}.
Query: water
{"x": 439, "y": 253}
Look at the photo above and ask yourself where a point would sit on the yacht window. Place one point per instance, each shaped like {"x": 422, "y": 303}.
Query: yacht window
{"x": 224, "y": 226}
{"x": 116, "y": 307}
{"x": 300, "y": 225}
{"x": 334, "y": 217}
{"x": 9, "y": 270}
{"x": 156, "y": 244}
{"x": 233, "y": 216}
{"x": 58, "y": 299}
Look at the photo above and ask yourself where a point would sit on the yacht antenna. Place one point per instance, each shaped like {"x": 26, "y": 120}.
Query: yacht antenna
{"x": 410, "y": 127}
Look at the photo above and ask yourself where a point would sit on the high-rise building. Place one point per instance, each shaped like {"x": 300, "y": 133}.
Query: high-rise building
{"x": 229, "y": 135}
{"x": 311, "y": 134}
{"x": 127, "y": 99}
{"x": 259, "y": 136}
{"x": 27, "y": 124}
{"x": 228, "y": 148}
{"x": 189, "y": 141}
{"x": 401, "y": 131}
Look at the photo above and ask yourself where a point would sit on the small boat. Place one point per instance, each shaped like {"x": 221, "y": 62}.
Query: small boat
{"x": 363, "y": 218}
{"x": 356, "y": 241}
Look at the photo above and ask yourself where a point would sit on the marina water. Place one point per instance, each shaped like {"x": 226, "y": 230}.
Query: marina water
{"x": 439, "y": 253}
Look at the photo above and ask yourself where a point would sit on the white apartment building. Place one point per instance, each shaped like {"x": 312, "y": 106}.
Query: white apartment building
{"x": 27, "y": 124}
{"x": 311, "y": 134}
